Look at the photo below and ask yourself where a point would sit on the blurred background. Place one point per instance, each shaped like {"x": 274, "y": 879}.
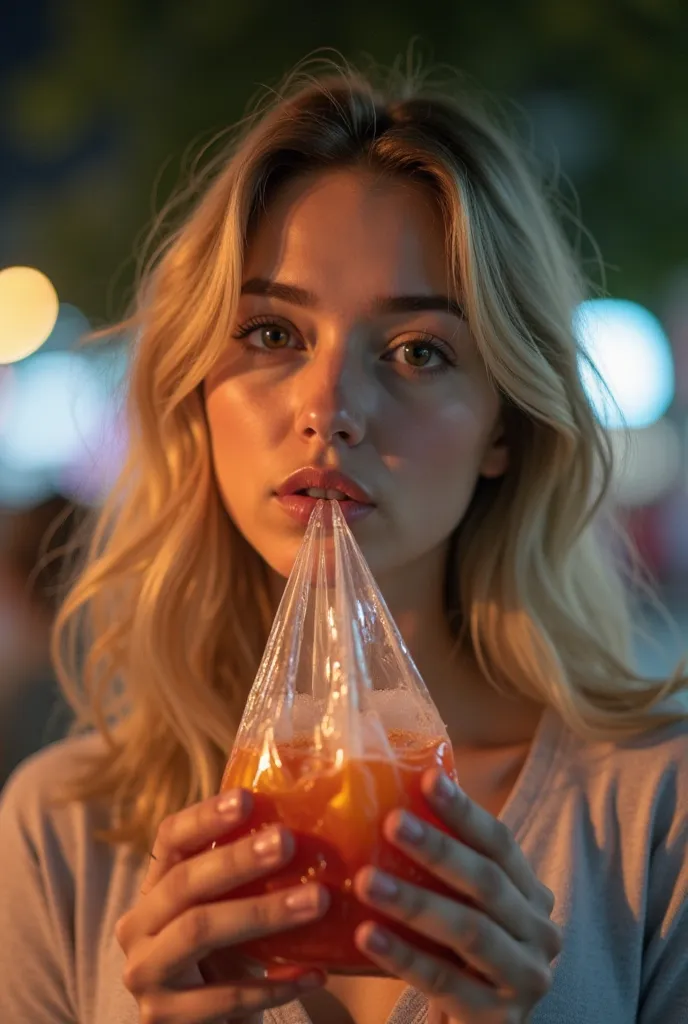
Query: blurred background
{"x": 103, "y": 107}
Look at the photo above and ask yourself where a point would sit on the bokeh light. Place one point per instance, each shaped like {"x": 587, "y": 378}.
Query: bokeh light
{"x": 632, "y": 354}
{"x": 648, "y": 463}
{"x": 28, "y": 311}
{"x": 20, "y": 488}
{"x": 7, "y": 384}
{"x": 71, "y": 325}
{"x": 56, "y": 413}
{"x": 88, "y": 479}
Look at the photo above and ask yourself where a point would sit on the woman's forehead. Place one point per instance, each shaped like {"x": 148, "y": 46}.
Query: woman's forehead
{"x": 348, "y": 232}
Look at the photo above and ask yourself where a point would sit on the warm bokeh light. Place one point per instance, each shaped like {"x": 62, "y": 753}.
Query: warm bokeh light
{"x": 28, "y": 311}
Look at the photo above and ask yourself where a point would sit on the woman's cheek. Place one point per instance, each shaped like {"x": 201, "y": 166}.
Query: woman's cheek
{"x": 446, "y": 442}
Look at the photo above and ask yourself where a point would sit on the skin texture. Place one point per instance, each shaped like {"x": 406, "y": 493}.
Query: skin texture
{"x": 337, "y": 395}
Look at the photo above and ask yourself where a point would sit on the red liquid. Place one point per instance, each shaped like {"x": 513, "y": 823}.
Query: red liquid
{"x": 336, "y": 816}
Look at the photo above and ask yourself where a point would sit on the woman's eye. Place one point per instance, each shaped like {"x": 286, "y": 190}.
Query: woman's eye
{"x": 273, "y": 336}
{"x": 265, "y": 336}
{"x": 418, "y": 355}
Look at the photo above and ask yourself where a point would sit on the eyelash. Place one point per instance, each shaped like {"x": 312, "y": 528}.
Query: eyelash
{"x": 422, "y": 337}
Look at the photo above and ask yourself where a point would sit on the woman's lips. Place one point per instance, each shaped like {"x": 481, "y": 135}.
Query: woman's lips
{"x": 300, "y": 507}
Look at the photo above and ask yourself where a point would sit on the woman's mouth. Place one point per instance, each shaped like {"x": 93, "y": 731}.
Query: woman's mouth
{"x": 319, "y": 492}
{"x": 300, "y": 493}
{"x": 300, "y": 504}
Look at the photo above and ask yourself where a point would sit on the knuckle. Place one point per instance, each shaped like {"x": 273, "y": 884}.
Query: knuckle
{"x": 234, "y": 860}
{"x": 238, "y": 1002}
{"x": 197, "y": 927}
{"x": 121, "y": 929}
{"x": 537, "y": 980}
{"x": 554, "y": 940}
{"x": 548, "y": 898}
{"x": 437, "y": 847}
{"x": 490, "y": 883}
{"x": 502, "y": 838}
{"x": 436, "y": 975}
{"x": 164, "y": 839}
{"x": 180, "y": 878}
{"x": 406, "y": 957}
{"x": 132, "y": 976}
{"x": 149, "y": 1011}
{"x": 264, "y": 915}
{"x": 243, "y": 1001}
{"x": 413, "y": 902}
{"x": 476, "y": 931}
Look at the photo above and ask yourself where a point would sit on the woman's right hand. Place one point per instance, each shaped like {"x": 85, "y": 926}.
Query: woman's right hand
{"x": 170, "y": 935}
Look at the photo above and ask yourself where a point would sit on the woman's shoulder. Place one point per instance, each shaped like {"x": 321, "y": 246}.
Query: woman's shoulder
{"x": 41, "y": 771}
{"x": 659, "y": 742}
{"x": 66, "y": 891}
{"x": 30, "y": 798}
{"x": 649, "y": 768}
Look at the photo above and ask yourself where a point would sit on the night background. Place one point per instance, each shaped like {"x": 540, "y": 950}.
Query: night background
{"x": 103, "y": 108}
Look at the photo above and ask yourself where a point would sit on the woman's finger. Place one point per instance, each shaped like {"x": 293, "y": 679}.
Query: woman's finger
{"x": 464, "y": 870}
{"x": 465, "y": 930}
{"x": 215, "y": 1004}
{"x": 457, "y": 991}
{"x": 485, "y": 833}
{"x": 204, "y": 928}
{"x": 181, "y": 835}
{"x": 193, "y": 829}
{"x": 216, "y": 873}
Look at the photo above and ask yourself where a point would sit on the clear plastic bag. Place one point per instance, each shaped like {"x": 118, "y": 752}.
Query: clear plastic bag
{"x": 337, "y": 731}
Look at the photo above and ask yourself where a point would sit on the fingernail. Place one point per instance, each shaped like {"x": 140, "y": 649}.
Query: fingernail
{"x": 410, "y": 829}
{"x": 229, "y": 803}
{"x": 304, "y": 902}
{"x": 267, "y": 846}
{"x": 383, "y": 886}
{"x": 444, "y": 789}
{"x": 378, "y": 942}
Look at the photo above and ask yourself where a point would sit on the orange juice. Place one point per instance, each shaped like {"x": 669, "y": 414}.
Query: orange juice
{"x": 335, "y": 813}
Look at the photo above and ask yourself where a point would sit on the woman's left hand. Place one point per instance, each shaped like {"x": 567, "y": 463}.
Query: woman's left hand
{"x": 504, "y": 936}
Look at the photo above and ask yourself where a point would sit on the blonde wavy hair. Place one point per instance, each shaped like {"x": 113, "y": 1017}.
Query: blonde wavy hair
{"x": 159, "y": 639}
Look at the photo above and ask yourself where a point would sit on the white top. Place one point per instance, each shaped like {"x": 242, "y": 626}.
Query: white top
{"x": 604, "y": 825}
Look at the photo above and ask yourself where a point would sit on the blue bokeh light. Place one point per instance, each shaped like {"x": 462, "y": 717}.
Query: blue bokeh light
{"x": 20, "y": 488}
{"x": 56, "y": 413}
{"x": 70, "y": 327}
{"x": 632, "y": 354}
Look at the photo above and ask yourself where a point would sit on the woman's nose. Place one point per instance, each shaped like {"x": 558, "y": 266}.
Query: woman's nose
{"x": 331, "y": 405}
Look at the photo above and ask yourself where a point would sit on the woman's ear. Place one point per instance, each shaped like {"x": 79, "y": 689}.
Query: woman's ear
{"x": 496, "y": 458}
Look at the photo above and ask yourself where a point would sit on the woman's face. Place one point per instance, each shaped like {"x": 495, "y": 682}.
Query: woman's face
{"x": 359, "y": 365}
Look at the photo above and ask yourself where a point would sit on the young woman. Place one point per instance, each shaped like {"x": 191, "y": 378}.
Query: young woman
{"x": 370, "y": 288}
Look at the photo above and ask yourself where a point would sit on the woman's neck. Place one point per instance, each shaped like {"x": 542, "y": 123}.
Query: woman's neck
{"x": 475, "y": 713}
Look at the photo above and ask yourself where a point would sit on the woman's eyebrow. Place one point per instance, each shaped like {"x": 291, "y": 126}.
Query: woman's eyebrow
{"x": 383, "y": 305}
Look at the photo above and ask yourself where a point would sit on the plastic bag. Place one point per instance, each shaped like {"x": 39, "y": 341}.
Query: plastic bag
{"x": 337, "y": 731}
